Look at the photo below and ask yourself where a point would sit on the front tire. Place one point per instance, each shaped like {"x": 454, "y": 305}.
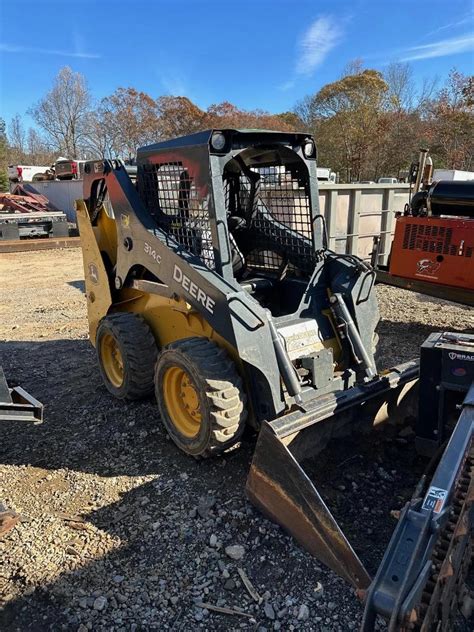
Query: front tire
{"x": 200, "y": 396}
{"x": 127, "y": 352}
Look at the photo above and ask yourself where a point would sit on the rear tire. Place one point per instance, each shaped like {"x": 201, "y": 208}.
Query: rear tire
{"x": 127, "y": 352}
{"x": 200, "y": 396}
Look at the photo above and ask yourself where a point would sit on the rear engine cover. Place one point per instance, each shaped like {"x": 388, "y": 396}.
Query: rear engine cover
{"x": 434, "y": 249}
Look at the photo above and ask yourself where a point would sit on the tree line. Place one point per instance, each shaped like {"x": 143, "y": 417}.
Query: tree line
{"x": 366, "y": 124}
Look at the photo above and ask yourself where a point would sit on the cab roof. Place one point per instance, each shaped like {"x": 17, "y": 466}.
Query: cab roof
{"x": 203, "y": 138}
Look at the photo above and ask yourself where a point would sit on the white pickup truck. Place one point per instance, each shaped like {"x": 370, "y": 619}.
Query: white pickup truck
{"x": 25, "y": 173}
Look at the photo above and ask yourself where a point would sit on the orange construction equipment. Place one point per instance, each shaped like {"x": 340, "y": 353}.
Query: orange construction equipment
{"x": 434, "y": 249}
{"x": 433, "y": 245}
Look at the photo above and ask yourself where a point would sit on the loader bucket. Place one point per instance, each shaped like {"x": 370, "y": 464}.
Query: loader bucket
{"x": 278, "y": 486}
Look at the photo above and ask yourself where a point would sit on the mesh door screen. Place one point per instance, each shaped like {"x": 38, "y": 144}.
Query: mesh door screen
{"x": 171, "y": 196}
{"x": 275, "y": 202}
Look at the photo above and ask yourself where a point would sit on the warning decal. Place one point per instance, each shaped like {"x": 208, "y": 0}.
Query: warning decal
{"x": 434, "y": 499}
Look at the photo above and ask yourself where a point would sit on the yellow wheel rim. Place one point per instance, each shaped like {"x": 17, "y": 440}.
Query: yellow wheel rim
{"x": 182, "y": 401}
{"x": 112, "y": 360}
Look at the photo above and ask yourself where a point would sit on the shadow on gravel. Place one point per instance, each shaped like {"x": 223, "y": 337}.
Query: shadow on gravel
{"x": 84, "y": 429}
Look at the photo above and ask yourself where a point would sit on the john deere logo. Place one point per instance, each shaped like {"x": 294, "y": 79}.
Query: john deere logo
{"x": 93, "y": 273}
{"x": 125, "y": 220}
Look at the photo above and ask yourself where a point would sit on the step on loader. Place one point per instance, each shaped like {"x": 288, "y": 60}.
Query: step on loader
{"x": 209, "y": 283}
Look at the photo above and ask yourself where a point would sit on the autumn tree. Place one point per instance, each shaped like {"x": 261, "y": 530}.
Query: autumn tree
{"x": 291, "y": 121}
{"x": 346, "y": 118}
{"x": 62, "y": 113}
{"x": 226, "y": 114}
{"x": 125, "y": 120}
{"x": 451, "y": 121}
{"x": 179, "y": 116}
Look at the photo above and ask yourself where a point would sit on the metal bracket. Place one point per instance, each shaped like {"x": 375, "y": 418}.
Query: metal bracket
{"x": 18, "y": 405}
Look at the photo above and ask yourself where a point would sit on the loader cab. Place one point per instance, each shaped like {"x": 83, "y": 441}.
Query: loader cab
{"x": 244, "y": 201}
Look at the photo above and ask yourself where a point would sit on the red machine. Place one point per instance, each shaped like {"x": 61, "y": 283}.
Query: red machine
{"x": 434, "y": 249}
{"x": 433, "y": 245}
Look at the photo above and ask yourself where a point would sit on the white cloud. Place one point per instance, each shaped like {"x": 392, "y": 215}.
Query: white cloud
{"x": 467, "y": 19}
{"x": 443, "y": 48}
{"x": 11, "y": 48}
{"x": 316, "y": 43}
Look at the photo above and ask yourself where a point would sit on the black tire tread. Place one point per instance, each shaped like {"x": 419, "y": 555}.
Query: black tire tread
{"x": 224, "y": 391}
{"x": 140, "y": 348}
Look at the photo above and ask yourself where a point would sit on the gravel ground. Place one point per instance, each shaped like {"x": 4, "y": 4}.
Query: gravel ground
{"x": 121, "y": 531}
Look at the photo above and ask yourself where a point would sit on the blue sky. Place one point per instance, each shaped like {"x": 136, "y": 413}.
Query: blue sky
{"x": 257, "y": 54}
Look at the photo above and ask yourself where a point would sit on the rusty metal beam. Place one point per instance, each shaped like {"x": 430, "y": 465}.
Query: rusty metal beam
{"x": 24, "y": 245}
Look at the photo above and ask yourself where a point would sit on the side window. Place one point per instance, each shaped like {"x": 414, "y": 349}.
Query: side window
{"x": 174, "y": 188}
{"x": 169, "y": 190}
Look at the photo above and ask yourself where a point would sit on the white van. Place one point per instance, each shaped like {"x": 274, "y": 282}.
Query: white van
{"x": 25, "y": 173}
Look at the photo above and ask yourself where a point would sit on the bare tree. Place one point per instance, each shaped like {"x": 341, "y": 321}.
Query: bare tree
{"x": 401, "y": 89}
{"x": 305, "y": 111}
{"x": 353, "y": 67}
{"x": 426, "y": 93}
{"x": 62, "y": 113}
{"x": 16, "y": 134}
{"x": 103, "y": 137}
{"x": 37, "y": 150}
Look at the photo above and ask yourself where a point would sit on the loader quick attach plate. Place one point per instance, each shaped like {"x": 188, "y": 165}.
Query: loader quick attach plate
{"x": 278, "y": 486}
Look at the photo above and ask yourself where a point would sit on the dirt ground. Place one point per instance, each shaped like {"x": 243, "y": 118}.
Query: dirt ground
{"x": 120, "y": 531}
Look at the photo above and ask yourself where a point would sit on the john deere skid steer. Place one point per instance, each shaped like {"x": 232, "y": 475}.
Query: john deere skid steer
{"x": 210, "y": 283}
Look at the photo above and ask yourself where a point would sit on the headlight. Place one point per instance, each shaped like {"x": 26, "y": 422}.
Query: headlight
{"x": 308, "y": 149}
{"x": 218, "y": 141}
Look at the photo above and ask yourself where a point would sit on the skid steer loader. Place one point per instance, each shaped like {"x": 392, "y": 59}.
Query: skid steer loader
{"x": 209, "y": 282}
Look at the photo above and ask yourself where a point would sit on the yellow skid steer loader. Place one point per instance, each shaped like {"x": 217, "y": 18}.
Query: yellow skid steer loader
{"x": 210, "y": 284}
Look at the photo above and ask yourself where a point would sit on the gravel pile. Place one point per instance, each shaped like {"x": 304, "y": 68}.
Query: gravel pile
{"x": 120, "y": 531}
